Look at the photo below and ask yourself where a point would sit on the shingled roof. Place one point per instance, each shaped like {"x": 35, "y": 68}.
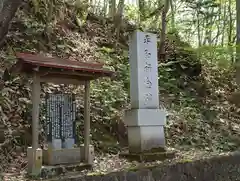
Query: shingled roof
{"x": 27, "y": 63}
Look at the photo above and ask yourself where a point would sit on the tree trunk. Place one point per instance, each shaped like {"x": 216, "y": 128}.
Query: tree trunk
{"x": 48, "y": 28}
{"x": 112, "y": 8}
{"x": 172, "y": 16}
{"x": 118, "y": 18}
{"x": 163, "y": 32}
{"x": 199, "y": 31}
{"x": 230, "y": 32}
{"x": 238, "y": 41}
{"x": 224, "y": 24}
{"x": 212, "y": 21}
{"x": 105, "y": 8}
{"x": 218, "y": 24}
{"x": 142, "y": 12}
{"x": 206, "y": 29}
{"x": 7, "y": 13}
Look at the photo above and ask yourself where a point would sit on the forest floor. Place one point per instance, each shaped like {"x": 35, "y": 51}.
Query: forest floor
{"x": 108, "y": 163}
{"x": 201, "y": 121}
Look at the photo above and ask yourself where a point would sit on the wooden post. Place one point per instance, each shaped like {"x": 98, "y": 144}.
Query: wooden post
{"x": 86, "y": 120}
{"x": 35, "y": 121}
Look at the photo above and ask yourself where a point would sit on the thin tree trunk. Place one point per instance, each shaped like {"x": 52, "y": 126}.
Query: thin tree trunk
{"x": 206, "y": 34}
{"x": 164, "y": 29}
{"x": 230, "y": 22}
{"x": 118, "y": 18}
{"x": 105, "y": 8}
{"x": 218, "y": 24}
{"x": 112, "y": 8}
{"x": 210, "y": 27}
{"x": 224, "y": 23}
{"x": 1, "y": 4}
{"x": 172, "y": 15}
{"x": 142, "y": 12}
{"x": 238, "y": 31}
{"x": 199, "y": 30}
{"x": 48, "y": 28}
{"x": 238, "y": 42}
{"x": 230, "y": 30}
{"x": 9, "y": 8}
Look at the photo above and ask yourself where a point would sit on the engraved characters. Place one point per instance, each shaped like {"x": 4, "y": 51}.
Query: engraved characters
{"x": 147, "y": 69}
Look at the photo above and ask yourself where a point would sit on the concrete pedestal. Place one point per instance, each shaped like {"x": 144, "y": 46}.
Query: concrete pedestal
{"x": 67, "y": 156}
{"x": 52, "y": 162}
{"x": 145, "y": 129}
{"x": 144, "y": 138}
{"x": 36, "y": 168}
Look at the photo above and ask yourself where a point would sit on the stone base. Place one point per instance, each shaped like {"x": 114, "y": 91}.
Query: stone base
{"x": 145, "y": 129}
{"x": 34, "y": 169}
{"x": 144, "y": 138}
{"x": 66, "y": 156}
{"x": 53, "y": 171}
{"x": 148, "y": 156}
{"x": 58, "y": 161}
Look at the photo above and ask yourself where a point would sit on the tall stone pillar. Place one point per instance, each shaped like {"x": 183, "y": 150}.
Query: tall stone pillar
{"x": 145, "y": 121}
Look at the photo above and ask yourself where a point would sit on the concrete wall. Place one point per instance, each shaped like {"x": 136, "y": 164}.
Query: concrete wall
{"x": 225, "y": 168}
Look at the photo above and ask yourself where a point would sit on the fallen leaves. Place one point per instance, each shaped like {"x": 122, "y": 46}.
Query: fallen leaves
{"x": 199, "y": 113}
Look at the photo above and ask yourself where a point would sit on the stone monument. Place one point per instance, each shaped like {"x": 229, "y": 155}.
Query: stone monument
{"x": 61, "y": 115}
{"x": 61, "y": 125}
{"x": 145, "y": 121}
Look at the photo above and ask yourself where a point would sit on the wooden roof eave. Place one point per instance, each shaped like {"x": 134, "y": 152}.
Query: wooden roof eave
{"x": 58, "y": 76}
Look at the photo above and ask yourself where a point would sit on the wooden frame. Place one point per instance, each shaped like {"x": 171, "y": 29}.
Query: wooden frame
{"x": 87, "y": 120}
{"x": 35, "y": 117}
{"x": 58, "y": 71}
{"x": 36, "y": 88}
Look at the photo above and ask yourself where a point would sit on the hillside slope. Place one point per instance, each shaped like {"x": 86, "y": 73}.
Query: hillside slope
{"x": 199, "y": 113}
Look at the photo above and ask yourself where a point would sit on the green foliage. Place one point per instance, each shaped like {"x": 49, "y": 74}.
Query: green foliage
{"x": 217, "y": 55}
{"x": 112, "y": 93}
{"x": 131, "y": 13}
{"x": 198, "y": 106}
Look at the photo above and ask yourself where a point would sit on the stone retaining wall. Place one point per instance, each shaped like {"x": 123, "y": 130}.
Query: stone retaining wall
{"x": 224, "y": 168}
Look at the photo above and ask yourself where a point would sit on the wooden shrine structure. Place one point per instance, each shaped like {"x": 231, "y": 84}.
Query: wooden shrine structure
{"x": 57, "y": 71}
